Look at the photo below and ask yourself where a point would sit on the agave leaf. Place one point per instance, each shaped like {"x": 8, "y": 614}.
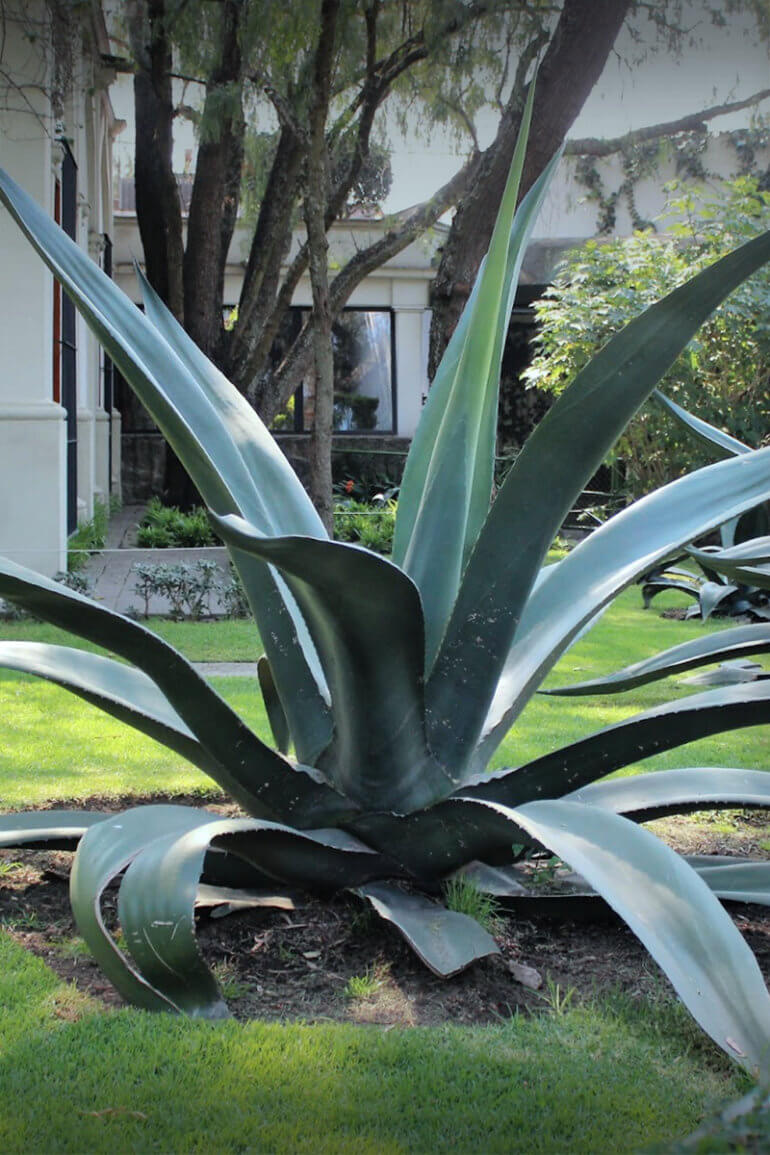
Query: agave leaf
{"x": 275, "y": 712}
{"x": 158, "y": 894}
{"x": 755, "y": 551}
{"x": 646, "y": 796}
{"x": 447, "y": 482}
{"x": 48, "y": 829}
{"x": 661, "y": 728}
{"x": 284, "y": 507}
{"x": 120, "y": 690}
{"x": 257, "y": 777}
{"x": 733, "y": 643}
{"x": 712, "y": 594}
{"x": 599, "y": 567}
{"x": 105, "y": 851}
{"x": 432, "y": 843}
{"x": 655, "y": 586}
{"x": 446, "y": 941}
{"x": 365, "y": 618}
{"x": 674, "y": 914}
{"x": 205, "y": 425}
{"x": 558, "y": 459}
{"x": 719, "y": 443}
{"x": 745, "y": 880}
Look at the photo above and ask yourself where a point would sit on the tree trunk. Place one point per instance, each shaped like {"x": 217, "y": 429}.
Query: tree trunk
{"x": 158, "y": 210}
{"x": 572, "y": 64}
{"x": 316, "y": 201}
{"x": 159, "y": 218}
{"x": 215, "y": 196}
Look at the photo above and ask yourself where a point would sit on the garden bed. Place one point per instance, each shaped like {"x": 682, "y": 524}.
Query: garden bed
{"x": 334, "y": 960}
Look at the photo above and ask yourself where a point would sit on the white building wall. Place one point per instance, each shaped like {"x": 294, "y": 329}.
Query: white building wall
{"x": 32, "y": 431}
{"x": 33, "y": 469}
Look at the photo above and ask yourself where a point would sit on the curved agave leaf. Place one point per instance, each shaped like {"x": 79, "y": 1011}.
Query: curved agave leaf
{"x": 733, "y": 643}
{"x": 743, "y": 880}
{"x": 720, "y": 444}
{"x": 661, "y": 728}
{"x": 104, "y": 852}
{"x": 275, "y": 712}
{"x": 205, "y": 424}
{"x": 655, "y": 586}
{"x": 447, "y": 483}
{"x": 558, "y": 459}
{"x": 755, "y": 551}
{"x": 599, "y": 567}
{"x": 674, "y": 914}
{"x": 284, "y": 507}
{"x": 366, "y": 621}
{"x": 713, "y": 595}
{"x": 120, "y": 690}
{"x": 257, "y": 777}
{"x": 751, "y": 569}
{"x": 46, "y": 829}
{"x": 446, "y": 941}
{"x": 646, "y": 796}
{"x": 158, "y": 895}
{"x": 432, "y": 843}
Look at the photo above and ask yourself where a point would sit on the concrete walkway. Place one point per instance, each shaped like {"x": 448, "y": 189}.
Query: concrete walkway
{"x": 112, "y": 579}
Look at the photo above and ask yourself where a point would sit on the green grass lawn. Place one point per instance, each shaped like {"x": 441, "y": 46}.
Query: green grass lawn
{"x": 57, "y": 746}
{"x": 611, "y": 1077}
{"x": 607, "y": 1078}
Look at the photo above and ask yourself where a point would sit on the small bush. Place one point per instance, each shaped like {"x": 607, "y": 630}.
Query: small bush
{"x": 365, "y": 524}
{"x": 167, "y": 527}
{"x": 187, "y": 588}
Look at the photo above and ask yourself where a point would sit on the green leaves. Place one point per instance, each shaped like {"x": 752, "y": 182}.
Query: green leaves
{"x": 365, "y": 618}
{"x": 447, "y": 483}
{"x": 556, "y": 462}
{"x": 120, "y": 690}
{"x": 734, "y": 643}
{"x": 571, "y": 593}
{"x": 162, "y": 850}
{"x": 263, "y": 781}
{"x": 675, "y": 915}
{"x": 446, "y": 941}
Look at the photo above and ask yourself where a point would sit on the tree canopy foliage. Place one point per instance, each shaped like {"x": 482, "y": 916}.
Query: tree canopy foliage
{"x": 723, "y": 375}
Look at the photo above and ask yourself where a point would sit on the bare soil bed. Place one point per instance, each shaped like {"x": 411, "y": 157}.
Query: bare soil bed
{"x": 334, "y": 959}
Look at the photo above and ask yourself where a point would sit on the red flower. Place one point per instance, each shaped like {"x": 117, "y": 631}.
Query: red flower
{"x": 349, "y": 486}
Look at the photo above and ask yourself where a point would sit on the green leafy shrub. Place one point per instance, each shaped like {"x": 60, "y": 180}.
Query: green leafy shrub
{"x": 187, "y": 587}
{"x": 88, "y": 538}
{"x": 723, "y": 374}
{"x": 370, "y": 525}
{"x": 167, "y": 527}
{"x": 394, "y": 681}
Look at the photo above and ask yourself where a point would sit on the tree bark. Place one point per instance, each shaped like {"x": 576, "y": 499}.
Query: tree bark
{"x": 158, "y": 209}
{"x": 572, "y": 64}
{"x": 211, "y": 221}
{"x": 315, "y": 207}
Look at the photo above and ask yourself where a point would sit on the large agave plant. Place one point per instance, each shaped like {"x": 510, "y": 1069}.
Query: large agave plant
{"x": 394, "y": 681}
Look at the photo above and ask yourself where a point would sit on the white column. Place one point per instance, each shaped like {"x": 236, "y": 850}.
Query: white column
{"x": 32, "y": 431}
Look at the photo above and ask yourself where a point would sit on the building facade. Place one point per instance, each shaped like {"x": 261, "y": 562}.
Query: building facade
{"x": 59, "y": 434}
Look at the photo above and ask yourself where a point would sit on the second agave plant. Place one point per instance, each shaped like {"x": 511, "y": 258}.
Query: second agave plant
{"x": 390, "y": 683}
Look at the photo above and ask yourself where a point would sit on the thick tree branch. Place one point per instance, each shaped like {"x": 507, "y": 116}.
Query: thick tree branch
{"x": 593, "y": 146}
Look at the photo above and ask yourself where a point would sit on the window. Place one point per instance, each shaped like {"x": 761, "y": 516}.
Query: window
{"x": 364, "y": 392}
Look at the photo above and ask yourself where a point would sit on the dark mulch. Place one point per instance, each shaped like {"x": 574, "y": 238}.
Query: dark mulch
{"x": 298, "y": 963}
